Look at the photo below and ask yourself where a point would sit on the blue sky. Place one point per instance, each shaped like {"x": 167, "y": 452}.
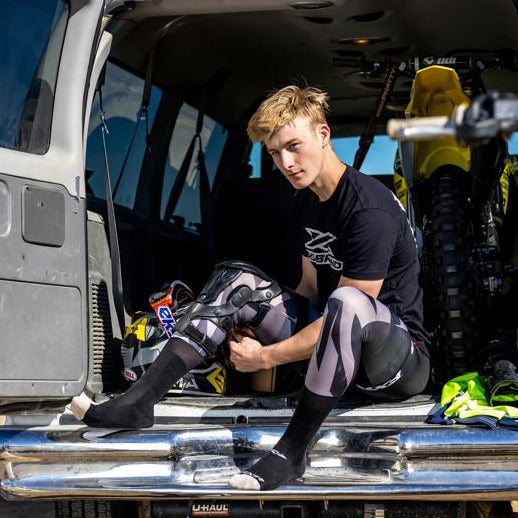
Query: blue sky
{"x": 379, "y": 159}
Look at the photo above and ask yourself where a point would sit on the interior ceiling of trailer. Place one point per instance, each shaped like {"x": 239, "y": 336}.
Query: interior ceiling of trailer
{"x": 236, "y": 50}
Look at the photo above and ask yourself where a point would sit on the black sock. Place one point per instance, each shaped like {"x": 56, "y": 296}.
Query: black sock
{"x": 287, "y": 460}
{"x": 134, "y": 408}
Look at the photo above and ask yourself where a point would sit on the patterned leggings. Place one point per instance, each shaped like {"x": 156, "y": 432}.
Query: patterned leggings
{"x": 361, "y": 341}
{"x": 360, "y": 334}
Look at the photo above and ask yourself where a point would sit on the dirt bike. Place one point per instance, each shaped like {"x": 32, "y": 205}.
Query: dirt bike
{"x": 457, "y": 196}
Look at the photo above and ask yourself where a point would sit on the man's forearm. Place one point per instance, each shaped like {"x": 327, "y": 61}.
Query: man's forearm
{"x": 300, "y": 346}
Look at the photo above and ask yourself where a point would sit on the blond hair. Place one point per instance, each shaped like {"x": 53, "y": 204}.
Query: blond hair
{"x": 284, "y": 105}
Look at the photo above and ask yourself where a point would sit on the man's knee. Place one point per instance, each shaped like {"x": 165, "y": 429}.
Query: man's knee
{"x": 233, "y": 275}
{"x": 232, "y": 286}
{"x": 351, "y": 299}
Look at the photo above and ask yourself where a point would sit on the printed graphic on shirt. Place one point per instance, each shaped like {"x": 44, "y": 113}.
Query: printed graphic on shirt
{"x": 319, "y": 251}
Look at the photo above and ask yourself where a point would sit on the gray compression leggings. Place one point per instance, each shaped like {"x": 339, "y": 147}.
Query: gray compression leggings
{"x": 357, "y": 331}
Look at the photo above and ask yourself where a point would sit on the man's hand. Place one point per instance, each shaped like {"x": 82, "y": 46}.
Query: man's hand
{"x": 245, "y": 353}
{"x": 249, "y": 355}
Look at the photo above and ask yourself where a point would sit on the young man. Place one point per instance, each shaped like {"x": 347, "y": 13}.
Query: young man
{"x": 359, "y": 260}
{"x": 359, "y": 265}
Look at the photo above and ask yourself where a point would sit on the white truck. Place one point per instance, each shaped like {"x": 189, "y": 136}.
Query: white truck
{"x": 155, "y": 80}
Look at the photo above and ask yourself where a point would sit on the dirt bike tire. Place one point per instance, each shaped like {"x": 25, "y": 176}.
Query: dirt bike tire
{"x": 449, "y": 279}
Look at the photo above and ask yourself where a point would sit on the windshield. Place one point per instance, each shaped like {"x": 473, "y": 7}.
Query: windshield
{"x": 28, "y": 66}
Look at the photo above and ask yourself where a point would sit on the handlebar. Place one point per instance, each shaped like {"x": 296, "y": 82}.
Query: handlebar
{"x": 486, "y": 117}
{"x": 422, "y": 128}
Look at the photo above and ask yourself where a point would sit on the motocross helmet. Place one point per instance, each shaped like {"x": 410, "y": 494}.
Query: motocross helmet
{"x": 143, "y": 341}
{"x": 147, "y": 335}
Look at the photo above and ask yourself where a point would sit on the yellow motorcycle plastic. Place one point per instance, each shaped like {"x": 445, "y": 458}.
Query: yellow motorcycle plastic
{"x": 436, "y": 91}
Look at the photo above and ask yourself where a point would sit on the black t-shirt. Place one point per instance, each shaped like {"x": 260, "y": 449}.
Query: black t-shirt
{"x": 362, "y": 232}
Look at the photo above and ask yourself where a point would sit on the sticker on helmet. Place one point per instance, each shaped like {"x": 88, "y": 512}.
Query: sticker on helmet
{"x": 166, "y": 318}
{"x": 129, "y": 375}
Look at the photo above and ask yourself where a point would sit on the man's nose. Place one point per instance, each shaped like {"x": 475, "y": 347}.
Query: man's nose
{"x": 286, "y": 160}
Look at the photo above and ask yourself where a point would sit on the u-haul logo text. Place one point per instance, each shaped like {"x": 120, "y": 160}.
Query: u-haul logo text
{"x": 214, "y": 509}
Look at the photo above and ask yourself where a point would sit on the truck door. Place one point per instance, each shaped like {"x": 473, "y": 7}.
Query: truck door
{"x": 46, "y": 62}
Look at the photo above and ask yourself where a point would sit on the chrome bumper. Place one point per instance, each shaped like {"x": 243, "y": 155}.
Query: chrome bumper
{"x": 173, "y": 461}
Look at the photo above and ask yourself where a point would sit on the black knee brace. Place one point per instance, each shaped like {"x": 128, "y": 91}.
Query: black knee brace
{"x": 224, "y": 315}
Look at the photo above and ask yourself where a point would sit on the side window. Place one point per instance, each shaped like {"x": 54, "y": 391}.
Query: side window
{"x": 260, "y": 162}
{"x": 255, "y": 160}
{"x": 513, "y": 144}
{"x": 379, "y": 159}
{"x": 29, "y": 68}
{"x": 213, "y": 138}
{"x": 126, "y": 138}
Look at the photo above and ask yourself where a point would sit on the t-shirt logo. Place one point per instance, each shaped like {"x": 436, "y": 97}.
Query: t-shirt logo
{"x": 319, "y": 251}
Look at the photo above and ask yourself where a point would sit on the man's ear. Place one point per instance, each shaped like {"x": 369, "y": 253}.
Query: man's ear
{"x": 324, "y": 132}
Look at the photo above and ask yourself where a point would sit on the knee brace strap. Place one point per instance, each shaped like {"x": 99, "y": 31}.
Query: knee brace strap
{"x": 223, "y": 315}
